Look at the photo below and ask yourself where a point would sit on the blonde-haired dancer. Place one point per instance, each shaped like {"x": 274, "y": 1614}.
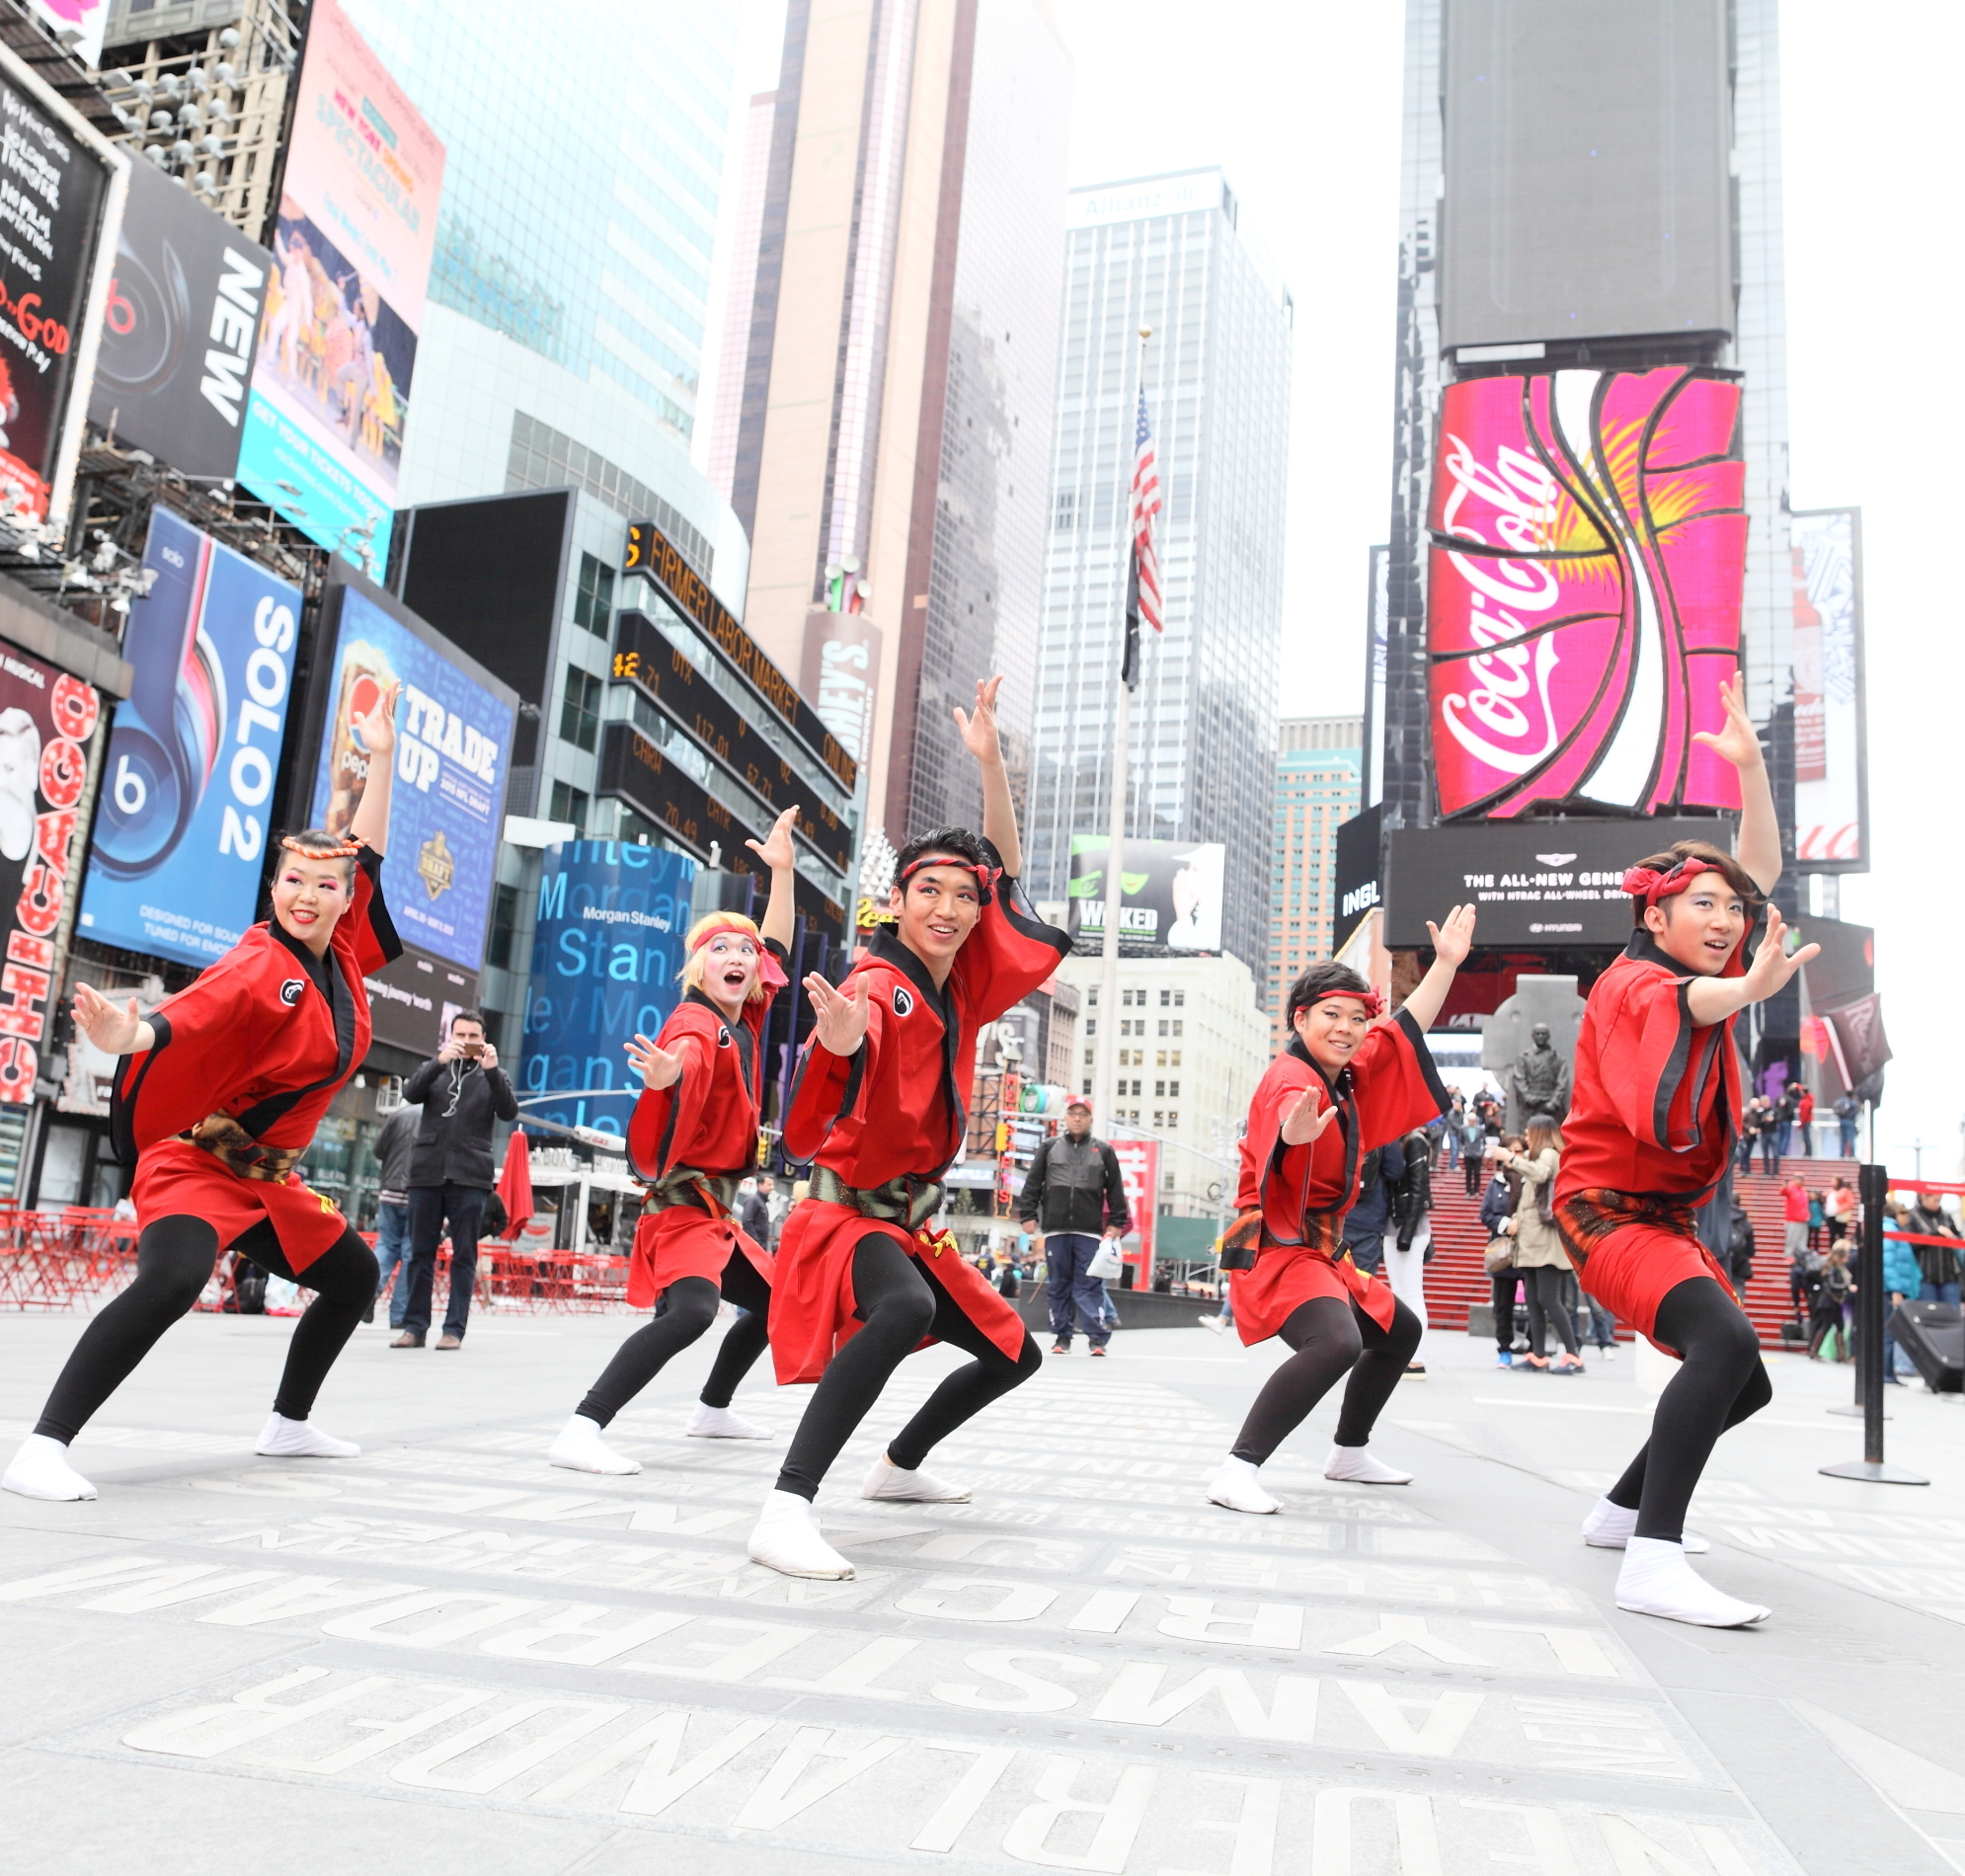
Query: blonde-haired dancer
{"x": 694, "y": 1136}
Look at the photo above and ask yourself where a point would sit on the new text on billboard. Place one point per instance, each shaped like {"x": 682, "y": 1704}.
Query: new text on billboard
{"x": 1170, "y": 896}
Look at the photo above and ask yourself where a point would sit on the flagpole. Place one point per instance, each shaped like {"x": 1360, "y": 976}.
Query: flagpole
{"x": 1107, "y": 1080}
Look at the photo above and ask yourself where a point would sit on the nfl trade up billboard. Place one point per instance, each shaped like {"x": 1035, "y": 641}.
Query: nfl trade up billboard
{"x": 1170, "y": 895}
{"x": 1588, "y": 554}
{"x": 453, "y": 750}
{"x": 1830, "y": 722}
{"x": 351, "y": 251}
{"x": 181, "y": 821}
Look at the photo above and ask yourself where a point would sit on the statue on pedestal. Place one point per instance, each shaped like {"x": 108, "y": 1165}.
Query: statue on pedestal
{"x": 1538, "y": 1083}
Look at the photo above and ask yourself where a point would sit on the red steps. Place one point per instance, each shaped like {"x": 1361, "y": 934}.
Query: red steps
{"x": 1454, "y": 1279}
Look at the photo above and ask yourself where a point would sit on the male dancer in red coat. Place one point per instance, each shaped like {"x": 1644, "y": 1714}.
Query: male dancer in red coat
{"x": 1657, "y": 1104}
{"x": 1346, "y": 1084}
{"x": 880, "y": 1105}
{"x": 692, "y": 1138}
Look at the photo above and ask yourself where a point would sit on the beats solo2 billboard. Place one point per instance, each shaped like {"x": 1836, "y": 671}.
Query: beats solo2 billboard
{"x": 182, "y": 826}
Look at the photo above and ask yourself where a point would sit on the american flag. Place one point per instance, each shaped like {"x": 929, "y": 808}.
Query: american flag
{"x": 1145, "y": 505}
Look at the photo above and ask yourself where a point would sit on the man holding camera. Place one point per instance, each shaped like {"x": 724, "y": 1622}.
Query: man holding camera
{"x": 462, "y": 1091}
{"x": 1073, "y": 1199}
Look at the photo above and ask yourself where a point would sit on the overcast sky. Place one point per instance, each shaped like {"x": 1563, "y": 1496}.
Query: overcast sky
{"x": 1299, "y": 102}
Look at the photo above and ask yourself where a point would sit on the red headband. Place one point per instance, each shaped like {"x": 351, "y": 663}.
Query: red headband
{"x": 1649, "y": 885}
{"x": 770, "y": 973}
{"x": 1374, "y": 1005}
{"x": 985, "y": 876}
{"x": 347, "y": 850}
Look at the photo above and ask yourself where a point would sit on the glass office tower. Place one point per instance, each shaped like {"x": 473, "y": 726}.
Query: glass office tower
{"x": 569, "y": 296}
{"x": 1165, "y": 252}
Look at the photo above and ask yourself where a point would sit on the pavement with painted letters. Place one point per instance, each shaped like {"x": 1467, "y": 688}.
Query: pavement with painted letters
{"x": 448, "y": 1655}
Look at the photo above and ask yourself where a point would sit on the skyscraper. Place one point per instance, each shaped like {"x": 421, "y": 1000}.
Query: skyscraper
{"x": 1320, "y": 763}
{"x": 1165, "y": 252}
{"x": 1615, "y": 183}
{"x": 568, "y": 294}
{"x": 895, "y": 419}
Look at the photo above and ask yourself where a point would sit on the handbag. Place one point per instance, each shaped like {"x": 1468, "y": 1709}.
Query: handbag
{"x": 1498, "y": 1256}
{"x": 1106, "y": 1264}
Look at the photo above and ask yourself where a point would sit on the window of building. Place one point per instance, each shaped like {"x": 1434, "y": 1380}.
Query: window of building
{"x": 1179, "y": 1002}
{"x": 1177, "y": 1025}
{"x": 1173, "y": 1057}
{"x": 504, "y": 926}
{"x": 593, "y": 597}
{"x": 1173, "y": 1088}
{"x": 1160, "y": 1088}
{"x": 1086, "y": 1086}
{"x": 579, "y": 714}
{"x": 1173, "y": 1114}
{"x": 1091, "y": 1057}
{"x": 568, "y": 804}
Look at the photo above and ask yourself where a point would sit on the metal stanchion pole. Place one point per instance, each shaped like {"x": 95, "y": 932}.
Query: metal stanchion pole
{"x": 1873, "y": 1183}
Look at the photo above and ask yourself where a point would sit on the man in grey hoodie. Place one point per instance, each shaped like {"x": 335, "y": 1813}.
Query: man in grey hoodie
{"x": 1073, "y": 1197}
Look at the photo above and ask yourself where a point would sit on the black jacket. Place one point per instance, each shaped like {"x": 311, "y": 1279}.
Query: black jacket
{"x": 1075, "y": 1186}
{"x": 459, "y": 1100}
{"x": 1413, "y": 1196}
{"x": 395, "y": 1145}
{"x": 1378, "y": 1174}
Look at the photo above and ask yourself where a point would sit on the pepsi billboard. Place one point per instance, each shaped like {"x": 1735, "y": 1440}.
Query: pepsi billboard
{"x": 606, "y": 952}
{"x": 181, "y": 832}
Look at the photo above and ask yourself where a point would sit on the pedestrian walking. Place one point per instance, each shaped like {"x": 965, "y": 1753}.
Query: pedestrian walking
{"x": 880, "y": 1106}
{"x": 1539, "y": 1256}
{"x": 1657, "y": 1094}
{"x": 1903, "y": 1279}
{"x": 1828, "y": 1315}
{"x": 1938, "y": 1264}
{"x": 1409, "y": 1249}
{"x": 1794, "y": 1216}
{"x": 1345, "y": 1083}
{"x": 215, "y": 1098}
{"x": 1369, "y": 1222}
{"x": 1804, "y": 1121}
{"x": 1474, "y": 1149}
{"x": 1074, "y": 1201}
{"x": 1846, "y": 1110}
{"x": 463, "y": 1093}
{"x": 694, "y": 1131}
{"x": 395, "y": 1141}
{"x": 1497, "y": 1209}
{"x": 1786, "y": 1111}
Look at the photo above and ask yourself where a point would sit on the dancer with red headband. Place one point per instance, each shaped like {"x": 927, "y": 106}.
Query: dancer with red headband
{"x": 692, "y": 1138}
{"x": 1346, "y": 1083}
{"x": 216, "y": 1098}
{"x": 881, "y": 1104}
{"x": 1650, "y": 1132}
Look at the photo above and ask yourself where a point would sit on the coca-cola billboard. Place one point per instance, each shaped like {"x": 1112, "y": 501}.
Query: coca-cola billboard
{"x": 1589, "y": 549}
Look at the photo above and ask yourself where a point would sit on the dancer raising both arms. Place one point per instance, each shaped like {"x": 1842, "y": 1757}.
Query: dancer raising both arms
{"x": 694, "y": 1136}
{"x": 881, "y": 1104}
{"x": 1656, "y": 1105}
{"x": 216, "y": 1098}
{"x": 1345, "y": 1084}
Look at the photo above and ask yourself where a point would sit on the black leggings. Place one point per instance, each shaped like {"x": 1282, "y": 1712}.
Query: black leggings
{"x": 1718, "y": 1384}
{"x": 173, "y": 1259}
{"x": 900, "y": 1301}
{"x": 1504, "y": 1307}
{"x": 689, "y": 1307}
{"x": 1542, "y": 1288}
{"x": 1330, "y": 1336}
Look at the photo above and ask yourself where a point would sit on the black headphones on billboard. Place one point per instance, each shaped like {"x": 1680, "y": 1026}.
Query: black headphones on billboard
{"x": 164, "y": 744}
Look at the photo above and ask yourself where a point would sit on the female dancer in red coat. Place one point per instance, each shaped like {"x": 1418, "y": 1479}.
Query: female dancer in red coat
{"x": 694, "y": 1136}
{"x": 1650, "y": 1134}
{"x": 1347, "y": 1082}
{"x": 216, "y": 1098}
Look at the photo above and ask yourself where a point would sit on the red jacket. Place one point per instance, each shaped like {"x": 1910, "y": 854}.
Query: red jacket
{"x": 897, "y": 1106}
{"x": 1657, "y": 1099}
{"x": 708, "y": 1118}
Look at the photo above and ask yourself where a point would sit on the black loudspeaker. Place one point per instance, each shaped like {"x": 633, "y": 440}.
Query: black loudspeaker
{"x": 1932, "y": 1335}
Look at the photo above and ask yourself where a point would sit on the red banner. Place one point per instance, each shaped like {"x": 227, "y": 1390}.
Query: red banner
{"x": 1140, "y": 1173}
{"x": 1589, "y": 551}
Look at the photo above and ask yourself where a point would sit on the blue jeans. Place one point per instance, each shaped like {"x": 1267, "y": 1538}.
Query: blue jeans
{"x": 392, "y": 1249}
{"x": 430, "y": 1206}
{"x": 1847, "y": 1129}
{"x": 1074, "y": 1292}
{"x": 1939, "y": 1293}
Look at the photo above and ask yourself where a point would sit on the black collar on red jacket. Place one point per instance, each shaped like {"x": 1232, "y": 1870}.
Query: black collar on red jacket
{"x": 739, "y": 1034}
{"x": 331, "y": 981}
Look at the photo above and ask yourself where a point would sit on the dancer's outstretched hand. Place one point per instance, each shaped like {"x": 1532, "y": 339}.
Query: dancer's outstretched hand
{"x": 1454, "y": 939}
{"x": 978, "y": 726}
{"x": 843, "y": 1018}
{"x": 1771, "y": 966}
{"x": 658, "y": 1067}
{"x": 115, "y": 1032}
{"x": 1738, "y": 742}
{"x": 775, "y": 849}
{"x": 1303, "y": 1123}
